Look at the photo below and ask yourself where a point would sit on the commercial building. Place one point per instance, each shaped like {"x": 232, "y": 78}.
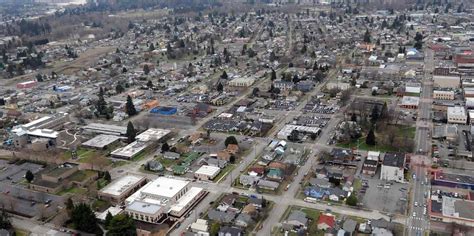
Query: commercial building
{"x": 452, "y": 210}
{"x": 98, "y": 128}
{"x": 453, "y": 180}
{"x": 206, "y": 172}
{"x": 443, "y": 94}
{"x": 393, "y": 167}
{"x": 242, "y": 82}
{"x": 26, "y": 85}
{"x": 101, "y": 141}
{"x": 371, "y": 163}
{"x": 444, "y": 78}
{"x": 162, "y": 198}
{"x": 410, "y": 102}
{"x": 42, "y": 128}
{"x": 145, "y": 140}
{"x": 121, "y": 188}
{"x": 457, "y": 115}
{"x": 287, "y": 129}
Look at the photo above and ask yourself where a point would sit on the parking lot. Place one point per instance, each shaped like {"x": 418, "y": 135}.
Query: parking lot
{"x": 314, "y": 105}
{"x": 383, "y": 196}
{"x": 14, "y": 195}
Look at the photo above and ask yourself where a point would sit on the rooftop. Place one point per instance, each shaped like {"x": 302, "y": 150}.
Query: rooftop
{"x": 394, "y": 159}
{"x": 106, "y": 129}
{"x": 208, "y": 170}
{"x": 101, "y": 140}
{"x": 124, "y": 183}
{"x": 152, "y": 135}
{"x": 457, "y": 111}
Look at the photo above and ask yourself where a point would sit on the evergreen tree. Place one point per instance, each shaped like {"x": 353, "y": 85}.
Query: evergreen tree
{"x": 130, "y": 108}
{"x": 146, "y": 69}
{"x": 352, "y": 200}
{"x": 122, "y": 224}
{"x": 220, "y": 87}
{"x": 224, "y": 75}
{"x": 101, "y": 105}
{"x": 119, "y": 88}
{"x": 375, "y": 115}
{"x": 149, "y": 84}
{"x": 84, "y": 219}
{"x": 367, "y": 38}
{"x": 108, "y": 219}
{"x": 69, "y": 205}
{"x": 131, "y": 133}
{"x": 230, "y": 140}
{"x": 29, "y": 176}
{"x": 273, "y": 75}
{"x": 370, "y": 140}
{"x": 107, "y": 176}
{"x": 165, "y": 147}
{"x": 5, "y": 222}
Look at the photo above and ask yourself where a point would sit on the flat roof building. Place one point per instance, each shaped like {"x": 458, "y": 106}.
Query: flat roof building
{"x": 101, "y": 141}
{"x": 143, "y": 141}
{"x": 457, "y": 115}
{"x": 206, "y": 172}
{"x": 410, "y": 102}
{"x": 118, "y": 190}
{"x": 105, "y": 129}
{"x": 161, "y": 198}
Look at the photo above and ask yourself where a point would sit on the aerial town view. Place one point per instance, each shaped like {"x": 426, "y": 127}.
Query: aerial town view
{"x": 237, "y": 117}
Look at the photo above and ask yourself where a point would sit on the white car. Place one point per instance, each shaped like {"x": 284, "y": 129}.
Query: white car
{"x": 416, "y": 204}
{"x": 414, "y": 214}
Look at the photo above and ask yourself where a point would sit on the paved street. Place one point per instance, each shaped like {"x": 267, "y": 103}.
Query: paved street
{"x": 418, "y": 220}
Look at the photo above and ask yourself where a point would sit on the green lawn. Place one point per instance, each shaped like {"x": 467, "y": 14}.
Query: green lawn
{"x": 407, "y": 131}
{"x": 357, "y": 185}
{"x": 364, "y": 146}
{"x": 167, "y": 162}
{"x": 224, "y": 172}
{"x": 140, "y": 156}
{"x": 100, "y": 205}
{"x": 73, "y": 190}
{"x": 19, "y": 232}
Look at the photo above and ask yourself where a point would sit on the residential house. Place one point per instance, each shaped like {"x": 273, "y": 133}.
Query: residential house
{"x": 223, "y": 155}
{"x": 326, "y": 222}
{"x": 221, "y": 217}
{"x": 230, "y": 231}
{"x": 322, "y": 183}
{"x": 232, "y": 149}
{"x": 171, "y": 155}
{"x": 350, "y": 226}
{"x": 248, "y": 180}
{"x": 257, "y": 202}
{"x": 267, "y": 184}
{"x": 296, "y": 220}
{"x": 275, "y": 174}
{"x": 244, "y": 220}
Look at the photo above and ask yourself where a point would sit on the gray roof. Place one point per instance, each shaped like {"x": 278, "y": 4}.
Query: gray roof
{"x": 223, "y": 217}
{"x": 319, "y": 182}
{"x": 268, "y": 184}
{"x": 298, "y": 216}
{"x": 244, "y": 218}
{"x": 248, "y": 179}
{"x": 349, "y": 225}
{"x": 394, "y": 159}
{"x": 230, "y": 231}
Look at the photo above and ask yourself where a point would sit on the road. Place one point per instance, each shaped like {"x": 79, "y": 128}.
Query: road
{"x": 418, "y": 221}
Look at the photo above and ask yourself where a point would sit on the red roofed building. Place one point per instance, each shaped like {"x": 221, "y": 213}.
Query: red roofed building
{"x": 465, "y": 62}
{"x": 326, "y": 222}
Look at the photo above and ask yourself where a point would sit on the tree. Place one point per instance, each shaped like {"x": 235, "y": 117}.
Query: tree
{"x": 151, "y": 48}
{"x": 313, "y": 136}
{"x": 101, "y": 105}
{"x": 255, "y": 91}
{"x": 149, "y": 84}
{"x": 108, "y": 219}
{"x": 375, "y": 115}
{"x": 220, "y": 87}
{"x": 84, "y": 219}
{"x": 131, "y": 133}
{"x": 146, "y": 69}
{"x": 107, "y": 176}
{"x": 367, "y": 36}
{"x": 119, "y": 88}
{"x": 354, "y": 117}
{"x": 130, "y": 108}
{"x": 384, "y": 111}
{"x": 69, "y": 205}
{"x": 5, "y": 220}
{"x": 29, "y": 176}
{"x": 352, "y": 200}
{"x": 122, "y": 224}
{"x": 165, "y": 147}
{"x": 231, "y": 140}
{"x": 273, "y": 75}
{"x": 232, "y": 159}
{"x": 224, "y": 75}
{"x": 370, "y": 140}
